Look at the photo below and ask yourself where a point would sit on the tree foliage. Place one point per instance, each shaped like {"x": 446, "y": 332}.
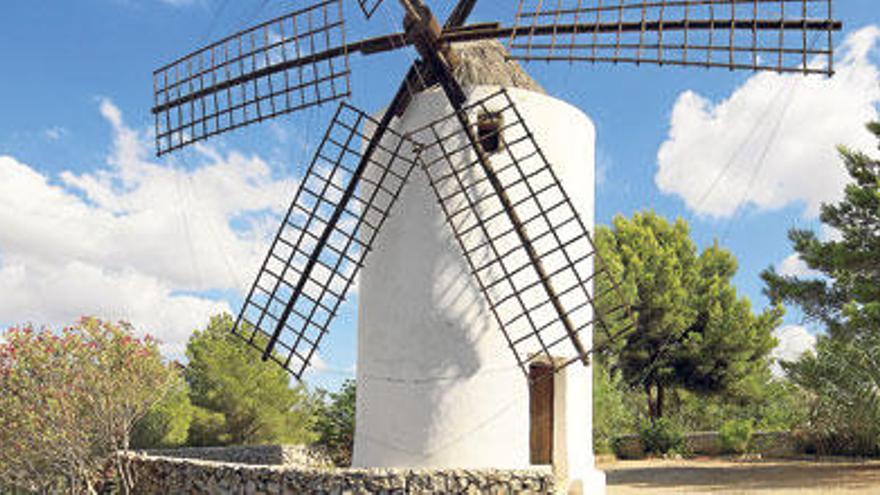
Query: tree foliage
{"x": 842, "y": 377}
{"x": 166, "y": 424}
{"x": 846, "y": 298}
{"x": 334, "y": 421}
{"x": 70, "y": 399}
{"x": 843, "y": 381}
{"x": 735, "y": 435}
{"x": 693, "y": 330}
{"x": 614, "y": 408}
{"x": 770, "y": 404}
{"x": 239, "y": 399}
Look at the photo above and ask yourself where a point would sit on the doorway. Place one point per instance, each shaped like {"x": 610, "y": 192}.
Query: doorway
{"x": 541, "y": 378}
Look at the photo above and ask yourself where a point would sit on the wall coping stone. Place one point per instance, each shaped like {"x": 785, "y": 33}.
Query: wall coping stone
{"x": 282, "y": 455}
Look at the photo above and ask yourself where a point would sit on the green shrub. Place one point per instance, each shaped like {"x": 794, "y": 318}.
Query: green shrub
{"x": 614, "y": 408}
{"x": 334, "y": 421}
{"x": 842, "y": 381}
{"x": 735, "y": 436}
{"x": 813, "y": 441}
{"x": 662, "y": 437}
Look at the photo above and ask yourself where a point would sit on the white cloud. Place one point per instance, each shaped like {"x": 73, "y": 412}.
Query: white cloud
{"x": 55, "y": 133}
{"x": 604, "y": 164}
{"x": 794, "y": 266}
{"x": 773, "y": 141}
{"x": 134, "y": 239}
{"x": 829, "y": 233}
{"x": 178, "y": 3}
{"x": 794, "y": 340}
{"x": 59, "y": 293}
{"x": 318, "y": 365}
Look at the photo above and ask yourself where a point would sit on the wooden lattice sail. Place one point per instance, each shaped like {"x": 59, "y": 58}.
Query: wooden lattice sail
{"x": 543, "y": 260}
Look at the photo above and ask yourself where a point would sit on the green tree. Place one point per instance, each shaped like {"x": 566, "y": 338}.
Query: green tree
{"x": 70, "y": 399}
{"x": 334, "y": 421}
{"x": 207, "y": 428}
{"x": 693, "y": 331}
{"x": 841, "y": 378}
{"x": 167, "y": 423}
{"x": 240, "y": 399}
{"x": 846, "y": 298}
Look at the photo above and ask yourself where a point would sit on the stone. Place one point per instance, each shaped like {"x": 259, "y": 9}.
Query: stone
{"x": 160, "y": 475}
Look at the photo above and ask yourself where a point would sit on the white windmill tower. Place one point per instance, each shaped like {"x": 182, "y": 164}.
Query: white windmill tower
{"x": 484, "y": 186}
{"x": 435, "y": 388}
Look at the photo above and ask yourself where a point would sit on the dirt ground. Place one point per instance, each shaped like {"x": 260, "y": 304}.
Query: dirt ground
{"x": 714, "y": 476}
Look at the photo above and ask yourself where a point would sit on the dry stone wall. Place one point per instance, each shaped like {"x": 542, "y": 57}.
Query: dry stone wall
{"x": 167, "y": 475}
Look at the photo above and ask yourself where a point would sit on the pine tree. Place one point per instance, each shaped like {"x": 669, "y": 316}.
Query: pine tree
{"x": 841, "y": 376}
{"x": 239, "y": 399}
{"x": 693, "y": 331}
{"x": 845, "y": 299}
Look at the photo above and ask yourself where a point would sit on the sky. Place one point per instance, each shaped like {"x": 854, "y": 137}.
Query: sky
{"x": 92, "y": 223}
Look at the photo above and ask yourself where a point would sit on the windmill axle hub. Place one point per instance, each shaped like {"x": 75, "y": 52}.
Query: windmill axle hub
{"x": 424, "y": 32}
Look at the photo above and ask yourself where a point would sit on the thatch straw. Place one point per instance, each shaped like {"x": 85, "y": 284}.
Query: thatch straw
{"x": 486, "y": 62}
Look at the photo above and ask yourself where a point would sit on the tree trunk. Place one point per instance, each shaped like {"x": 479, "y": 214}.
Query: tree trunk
{"x": 125, "y": 478}
{"x": 660, "y": 391}
{"x": 651, "y": 405}
{"x": 655, "y": 401}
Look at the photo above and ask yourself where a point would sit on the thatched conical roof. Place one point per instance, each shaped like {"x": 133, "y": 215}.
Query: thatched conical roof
{"x": 486, "y": 62}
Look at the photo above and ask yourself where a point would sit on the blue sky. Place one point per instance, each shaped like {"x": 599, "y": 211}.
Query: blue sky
{"x": 92, "y": 223}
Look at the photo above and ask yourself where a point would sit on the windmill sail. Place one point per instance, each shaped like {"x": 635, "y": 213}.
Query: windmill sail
{"x": 533, "y": 257}
{"x": 369, "y": 7}
{"x": 336, "y": 214}
{"x": 543, "y": 310}
{"x": 287, "y": 64}
{"x": 776, "y": 35}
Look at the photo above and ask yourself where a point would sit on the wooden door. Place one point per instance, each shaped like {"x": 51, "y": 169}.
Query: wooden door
{"x": 541, "y": 413}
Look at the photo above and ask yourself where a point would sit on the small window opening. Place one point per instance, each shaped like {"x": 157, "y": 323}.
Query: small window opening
{"x": 489, "y": 132}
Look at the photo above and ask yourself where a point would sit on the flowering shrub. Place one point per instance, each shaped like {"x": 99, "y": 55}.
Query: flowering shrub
{"x": 70, "y": 399}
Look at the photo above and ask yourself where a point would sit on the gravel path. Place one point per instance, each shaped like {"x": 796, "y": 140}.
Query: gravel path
{"x": 714, "y": 476}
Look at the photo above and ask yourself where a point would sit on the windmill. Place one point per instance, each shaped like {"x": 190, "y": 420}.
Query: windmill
{"x": 524, "y": 263}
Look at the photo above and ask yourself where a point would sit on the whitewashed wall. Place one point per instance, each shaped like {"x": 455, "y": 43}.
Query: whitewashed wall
{"x": 437, "y": 385}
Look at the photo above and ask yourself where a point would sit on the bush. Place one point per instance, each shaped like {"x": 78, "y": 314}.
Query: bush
{"x": 735, "y": 436}
{"x": 69, "y": 399}
{"x": 843, "y": 384}
{"x": 334, "y": 422}
{"x": 613, "y": 408}
{"x": 662, "y": 437}
{"x": 835, "y": 443}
